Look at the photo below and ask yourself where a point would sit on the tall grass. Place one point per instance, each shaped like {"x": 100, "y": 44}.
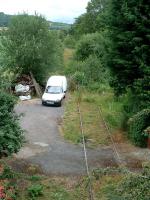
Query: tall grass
{"x": 112, "y": 108}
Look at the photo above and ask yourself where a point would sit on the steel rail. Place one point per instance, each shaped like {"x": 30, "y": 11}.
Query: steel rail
{"x": 117, "y": 156}
{"x": 90, "y": 189}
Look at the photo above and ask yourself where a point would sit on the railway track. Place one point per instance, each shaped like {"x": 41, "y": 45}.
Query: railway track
{"x": 120, "y": 162}
{"x": 89, "y": 186}
{"x": 115, "y": 151}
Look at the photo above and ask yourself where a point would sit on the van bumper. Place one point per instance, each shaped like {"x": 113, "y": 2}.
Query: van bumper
{"x": 51, "y": 103}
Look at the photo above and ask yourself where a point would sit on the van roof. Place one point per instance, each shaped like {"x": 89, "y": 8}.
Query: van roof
{"x": 56, "y": 80}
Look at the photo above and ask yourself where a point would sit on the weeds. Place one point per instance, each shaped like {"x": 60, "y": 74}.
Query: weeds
{"x": 35, "y": 191}
{"x": 94, "y": 128}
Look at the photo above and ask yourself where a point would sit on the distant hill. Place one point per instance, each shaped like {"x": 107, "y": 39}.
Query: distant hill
{"x": 5, "y": 19}
{"x": 59, "y": 26}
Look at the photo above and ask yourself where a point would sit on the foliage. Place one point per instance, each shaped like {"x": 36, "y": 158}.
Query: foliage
{"x": 15, "y": 185}
{"x": 90, "y": 44}
{"x": 28, "y": 45}
{"x": 87, "y": 67}
{"x": 11, "y": 135}
{"x": 34, "y": 178}
{"x": 59, "y": 193}
{"x": 135, "y": 186}
{"x": 89, "y": 104}
{"x": 35, "y": 191}
{"x": 92, "y": 20}
{"x": 124, "y": 185}
{"x": 69, "y": 41}
{"x": 94, "y": 71}
{"x": 128, "y": 56}
{"x": 137, "y": 124}
{"x": 8, "y": 190}
{"x": 7, "y": 173}
{"x": 87, "y": 73}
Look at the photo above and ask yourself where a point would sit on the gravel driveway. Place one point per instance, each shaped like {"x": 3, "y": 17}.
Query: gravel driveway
{"x": 46, "y": 148}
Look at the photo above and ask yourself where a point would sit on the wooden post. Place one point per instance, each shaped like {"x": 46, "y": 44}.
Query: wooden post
{"x": 37, "y": 86}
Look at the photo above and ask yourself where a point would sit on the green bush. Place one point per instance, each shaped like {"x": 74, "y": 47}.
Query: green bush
{"x": 79, "y": 77}
{"x": 35, "y": 191}
{"x": 90, "y": 44}
{"x": 7, "y": 101}
{"x": 11, "y": 135}
{"x": 69, "y": 41}
{"x": 137, "y": 124}
{"x": 7, "y": 173}
{"x": 135, "y": 186}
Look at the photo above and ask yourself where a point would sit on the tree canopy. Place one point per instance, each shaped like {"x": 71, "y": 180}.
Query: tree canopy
{"x": 128, "y": 58}
{"x": 28, "y": 45}
{"x": 92, "y": 20}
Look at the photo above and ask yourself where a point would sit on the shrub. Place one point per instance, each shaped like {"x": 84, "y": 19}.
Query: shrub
{"x": 69, "y": 41}
{"x": 7, "y": 101}
{"x": 11, "y": 135}
{"x": 79, "y": 78}
{"x": 35, "y": 191}
{"x": 7, "y": 173}
{"x": 135, "y": 186}
{"x": 137, "y": 124}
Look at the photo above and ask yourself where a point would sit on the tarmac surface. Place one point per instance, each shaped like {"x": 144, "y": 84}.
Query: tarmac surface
{"x": 46, "y": 148}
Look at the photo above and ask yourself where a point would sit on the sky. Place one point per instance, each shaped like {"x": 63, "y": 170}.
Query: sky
{"x": 53, "y": 10}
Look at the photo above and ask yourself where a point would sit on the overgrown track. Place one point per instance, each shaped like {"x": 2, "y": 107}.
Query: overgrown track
{"x": 117, "y": 156}
{"x": 120, "y": 162}
{"x": 87, "y": 167}
{"x": 89, "y": 187}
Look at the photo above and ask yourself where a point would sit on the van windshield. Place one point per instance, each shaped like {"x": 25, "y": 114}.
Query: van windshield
{"x": 54, "y": 90}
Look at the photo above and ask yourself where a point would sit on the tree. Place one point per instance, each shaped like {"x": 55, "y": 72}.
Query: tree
{"x": 89, "y": 65}
{"x": 28, "y": 45}
{"x": 128, "y": 56}
{"x": 91, "y": 44}
{"x": 92, "y": 20}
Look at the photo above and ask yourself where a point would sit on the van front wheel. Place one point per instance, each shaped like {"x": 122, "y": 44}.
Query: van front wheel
{"x": 59, "y": 103}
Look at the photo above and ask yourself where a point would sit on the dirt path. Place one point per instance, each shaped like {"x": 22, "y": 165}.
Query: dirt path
{"x": 46, "y": 148}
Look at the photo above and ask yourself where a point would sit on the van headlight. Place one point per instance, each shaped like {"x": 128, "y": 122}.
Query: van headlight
{"x": 57, "y": 100}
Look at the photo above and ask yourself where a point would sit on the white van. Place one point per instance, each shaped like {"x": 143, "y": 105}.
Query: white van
{"x": 55, "y": 91}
